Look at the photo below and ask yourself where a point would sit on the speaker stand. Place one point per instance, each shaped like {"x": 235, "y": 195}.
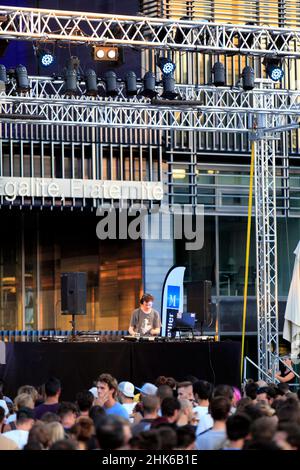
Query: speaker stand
{"x": 73, "y": 324}
{"x": 201, "y": 327}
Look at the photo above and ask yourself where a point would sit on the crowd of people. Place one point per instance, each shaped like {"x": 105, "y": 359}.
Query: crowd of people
{"x": 165, "y": 415}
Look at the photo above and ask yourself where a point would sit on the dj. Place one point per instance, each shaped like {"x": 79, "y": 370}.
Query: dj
{"x": 145, "y": 320}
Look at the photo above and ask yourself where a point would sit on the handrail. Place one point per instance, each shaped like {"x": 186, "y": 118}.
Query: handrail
{"x": 246, "y": 358}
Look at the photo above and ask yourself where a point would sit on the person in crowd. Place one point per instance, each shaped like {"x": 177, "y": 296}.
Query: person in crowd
{"x": 242, "y": 403}
{"x": 39, "y": 433}
{"x": 186, "y": 437}
{"x": 65, "y": 444}
{"x": 25, "y": 421}
{"x": 151, "y": 405}
{"x": 164, "y": 391}
{"x": 83, "y": 431}
{"x": 145, "y": 320}
{"x": 29, "y": 390}
{"x": 24, "y": 400}
{"x": 251, "y": 391}
{"x": 84, "y": 401}
{"x": 170, "y": 409}
{"x": 185, "y": 391}
{"x": 96, "y": 413}
{"x": 146, "y": 440}
{"x": 285, "y": 374}
{"x": 202, "y": 392}
{"x": 168, "y": 437}
{"x": 163, "y": 380}
{"x": 215, "y": 438}
{"x": 237, "y": 430}
{"x": 5, "y": 442}
{"x": 52, "y": 392}
{"x": 186, "y": 415}
{"x": 263, "y": 429}
{"x": 56, "y": 432}
{"x": 68, "y": 413}
{"x": 126, "y": 396}
{"x": 147, "y": 389}
{"x": 107, "y": 392}
{"x": 110, "y": 434}
{"x": 287, "y": 436}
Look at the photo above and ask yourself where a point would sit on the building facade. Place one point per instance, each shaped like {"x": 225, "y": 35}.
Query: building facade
{"x": 41, "y": 237}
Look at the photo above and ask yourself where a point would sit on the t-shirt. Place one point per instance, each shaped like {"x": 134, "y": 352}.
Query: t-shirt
{"x": 129, "y": 407}
{"x": 211, "y": 440}
{"x": 19, "y": 436}
{"x": 40, "y": 410}
{"x": 117, "y": 409}
{"x": 143, "y": 322}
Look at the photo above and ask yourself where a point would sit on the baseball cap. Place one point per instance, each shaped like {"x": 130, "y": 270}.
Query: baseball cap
{"x": 147, "y": 389}
{"x": 127, "y": 388}
{"x": 94, "y": 391}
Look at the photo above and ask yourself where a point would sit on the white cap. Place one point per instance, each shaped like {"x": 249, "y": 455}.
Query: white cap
{"x": 94, "y": 391}
{"x": 127, "y": 388}
{"x": 147, "y": 389}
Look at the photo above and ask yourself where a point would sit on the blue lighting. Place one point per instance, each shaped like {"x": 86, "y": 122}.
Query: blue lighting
{"x": 46, "y": 58}
{"x": 166, "y": 65}
{"x": 275, "y": 73}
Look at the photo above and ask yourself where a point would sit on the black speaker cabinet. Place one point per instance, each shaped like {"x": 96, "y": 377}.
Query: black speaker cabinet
{"x": 73, "y": 293}
{"x": 199, "y": 300}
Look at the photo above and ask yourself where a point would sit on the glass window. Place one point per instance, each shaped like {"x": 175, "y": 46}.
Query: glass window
{"x": 232, "y": 243}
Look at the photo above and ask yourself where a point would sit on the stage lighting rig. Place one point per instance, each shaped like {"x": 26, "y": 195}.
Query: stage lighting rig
{"x": 106, "y": 53}
{"x": 166, "y": 65}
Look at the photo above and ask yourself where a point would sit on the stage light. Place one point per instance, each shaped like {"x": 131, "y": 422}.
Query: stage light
{"x": 3, "y": 74}
{"x": 91, "y": 83}
{"x": 22, "y": 78}
{"x": 46, "y": 58}
{"x": 106, "y": 53}
{"x": 274, "y": 69}
{"x": 219, "y": 74}
{"x": 149, "y": 85}
{"x": 248, "y": 78}
{"x": 130, "y": 83}
{"x": 71, "y": 76}
{"x": 110, "y": 79}
{"x": 166, "y": 65}
{"x": 169, "y": 88}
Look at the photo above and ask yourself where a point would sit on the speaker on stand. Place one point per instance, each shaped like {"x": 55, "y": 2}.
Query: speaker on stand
{"x": 199, "y": 301}
{"x": 73, "y": 296}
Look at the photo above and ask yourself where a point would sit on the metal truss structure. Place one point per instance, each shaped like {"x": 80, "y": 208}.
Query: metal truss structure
{"x": 139, "y": 31}
{"x": 200, "y": 108}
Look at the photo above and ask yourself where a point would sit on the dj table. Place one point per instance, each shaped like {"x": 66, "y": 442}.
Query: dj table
{"x": 77, "y": 365}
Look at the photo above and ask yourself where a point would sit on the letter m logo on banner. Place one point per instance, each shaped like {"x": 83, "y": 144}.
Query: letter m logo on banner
{"x": 173, "y": 296}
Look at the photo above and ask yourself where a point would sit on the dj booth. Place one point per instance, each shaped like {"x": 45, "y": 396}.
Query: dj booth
{"x": 78, "y": 364}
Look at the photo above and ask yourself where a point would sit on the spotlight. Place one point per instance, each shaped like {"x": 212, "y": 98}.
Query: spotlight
{"x": 3, "y": 74}
{"x": 130, "y": 83}
{"x": 110, "y": 79}
{"x": 149, "y": 85}
{"x": 91, "y": 83}
{"x": 22, "y": 78}
{"x": 219, "y": 74}
{"x": 106, "y": 53}
{"x": 45, "y": 57}
{"x": 166, "y": 65}
{"x": 169, "y": 88}
{"x": 274, "y": 69}
{"x": 248, "y": 78}
{"x": 71, "y": 76}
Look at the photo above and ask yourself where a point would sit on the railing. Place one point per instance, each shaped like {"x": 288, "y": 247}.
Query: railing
{"x": 265, "y": 374}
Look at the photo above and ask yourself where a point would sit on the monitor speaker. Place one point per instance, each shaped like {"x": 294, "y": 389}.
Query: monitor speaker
{"x": 199, "y": 300}
{"x": 73, "y": 293}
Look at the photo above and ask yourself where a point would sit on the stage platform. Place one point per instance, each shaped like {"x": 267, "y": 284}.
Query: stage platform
{"x": 77, "y": 365}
